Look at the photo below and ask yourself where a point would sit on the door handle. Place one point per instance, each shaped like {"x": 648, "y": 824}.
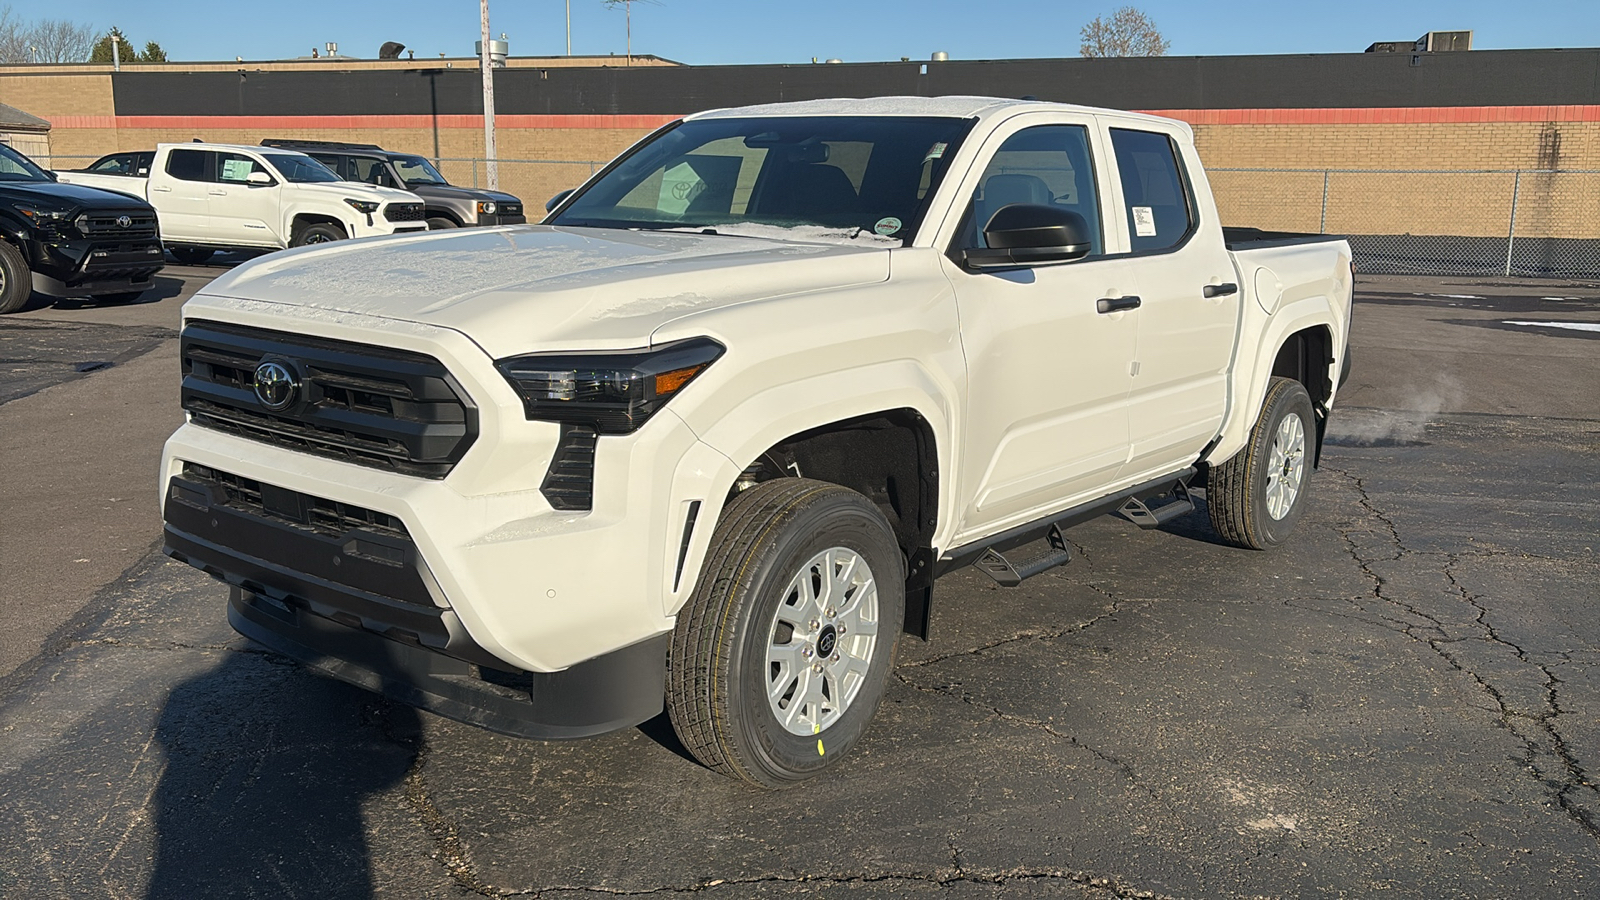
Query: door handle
{"x": 162, "y": 188}
{"x": 1220, "y": 290}
{"x": 1116, "y": 304}
{"x": 218, "y": 193}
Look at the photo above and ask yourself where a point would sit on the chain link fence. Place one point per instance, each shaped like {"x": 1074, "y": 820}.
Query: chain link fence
{"x": 1529, "y": 222}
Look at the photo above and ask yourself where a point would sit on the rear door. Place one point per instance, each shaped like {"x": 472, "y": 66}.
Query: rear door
{"x": 1188, "y": 315}
{"x": 180, "y": 194}
{"x": 1048, "y": 372}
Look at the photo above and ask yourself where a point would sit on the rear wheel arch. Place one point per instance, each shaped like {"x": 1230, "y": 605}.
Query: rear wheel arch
{"x": 1306, "y": 356}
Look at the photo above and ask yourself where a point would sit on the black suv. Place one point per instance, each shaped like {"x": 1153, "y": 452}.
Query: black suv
{"x": 448, "y": 206}
{"x": 65, "y": 240}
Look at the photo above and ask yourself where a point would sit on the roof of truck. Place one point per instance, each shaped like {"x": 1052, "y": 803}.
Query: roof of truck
{"x": 963, "y": 107}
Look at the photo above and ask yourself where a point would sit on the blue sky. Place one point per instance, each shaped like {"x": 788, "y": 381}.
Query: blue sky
{"x": 709, "y": 32}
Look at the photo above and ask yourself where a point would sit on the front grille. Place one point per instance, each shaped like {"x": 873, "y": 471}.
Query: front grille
{"x": 405, "y": 212}
{"x": 511, "y": 209}
{"x": 324, "y": 516}
{"x": 105, "y": 224}
{"x": 372, "y": 406}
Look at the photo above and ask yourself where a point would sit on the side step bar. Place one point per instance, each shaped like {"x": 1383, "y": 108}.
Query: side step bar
{"x": 1138, "y": 513}
{"x": 988, "y": 554}
{"x": 1009, "y": 574}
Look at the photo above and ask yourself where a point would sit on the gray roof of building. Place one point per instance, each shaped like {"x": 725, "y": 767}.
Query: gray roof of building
{"x": 14, "y": 119}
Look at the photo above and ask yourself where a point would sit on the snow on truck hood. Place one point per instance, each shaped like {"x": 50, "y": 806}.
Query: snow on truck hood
{"x": 528, "y": 288}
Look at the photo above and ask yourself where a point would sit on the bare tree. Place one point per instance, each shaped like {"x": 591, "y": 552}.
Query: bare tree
{"x": 60, "y": 41}
{"x": 13, "y": 37}
{"x": 1128, "y": 32}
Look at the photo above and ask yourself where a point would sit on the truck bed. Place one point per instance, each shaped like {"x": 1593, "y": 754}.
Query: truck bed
{"x": 1256, "y": 238}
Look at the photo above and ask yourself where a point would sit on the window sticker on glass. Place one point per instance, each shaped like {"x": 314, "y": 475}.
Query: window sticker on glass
{"x": 1144, "y": 221}
{"x": 236, "y": 169}
{"x": 679, "y": 186}
{"x": 936, "y": 151}
{"x": 887, "y": 226}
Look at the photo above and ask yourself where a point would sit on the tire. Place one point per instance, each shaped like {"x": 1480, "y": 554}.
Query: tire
{"x": 747, "y": 629}
{"x": 317, "y": 233}
{"x": 119, "y": 297}
{"x": 16, "y": 280}
{"x": 191, "y": 256}
{"x": 440, "y": 223}
{"x": 1256, "y": 497}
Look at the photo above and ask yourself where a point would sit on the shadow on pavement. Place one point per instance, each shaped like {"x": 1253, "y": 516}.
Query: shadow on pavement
{"x": 266, "y": 776}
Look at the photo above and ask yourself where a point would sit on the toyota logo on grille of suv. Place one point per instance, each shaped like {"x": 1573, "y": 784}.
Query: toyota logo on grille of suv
{"x": 124, "y": 221}
{"x": 275, "y": 385}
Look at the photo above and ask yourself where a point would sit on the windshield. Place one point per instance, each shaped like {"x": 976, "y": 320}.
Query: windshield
{"x": 416, "y": 170}
{"x": 16, "y": 167}
{"x": 300, "y": 169}
{"x": 855, "y": 175}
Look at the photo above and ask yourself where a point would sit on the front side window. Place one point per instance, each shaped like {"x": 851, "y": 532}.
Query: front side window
{"x": 1154, "y": 190}
{"x": 370, "y": 171}
{"x": 299, "y": 168}
{"x": 835, "y": 176}
{"x": 1047, "y": 165}
{"x": 235, "y": 168}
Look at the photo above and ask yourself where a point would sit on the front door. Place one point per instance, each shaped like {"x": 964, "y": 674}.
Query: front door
{"x": 241, "y": 212}
{"x": 1048, "y": 372}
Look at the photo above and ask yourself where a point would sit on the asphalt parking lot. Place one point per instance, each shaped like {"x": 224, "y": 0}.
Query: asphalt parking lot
{"x": 1404, "y": 700}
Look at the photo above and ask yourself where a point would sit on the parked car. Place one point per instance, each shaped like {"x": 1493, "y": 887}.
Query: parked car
{"x": 135, "y": 163}
{"x": 63, "y": 240}
{"x": 448, "y": 205}
{"x": 711, "y": 431}
{"x": 221, "y": 196}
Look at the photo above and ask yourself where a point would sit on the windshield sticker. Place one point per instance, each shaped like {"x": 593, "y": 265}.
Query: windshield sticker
{"x": 887, "y": 226}
{"x": 236, "y": 169}
{"x": 1144, "y": 221}
{"x": 936, "y": 151}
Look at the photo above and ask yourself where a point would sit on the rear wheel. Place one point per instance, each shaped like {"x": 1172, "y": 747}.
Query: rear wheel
{"x": 317, "y": 233}
{"x": 16, "y": 280}
{"x": 191, "y": 256}
{"x": 1256, "y": 497}
{"x": 781, "y": 656}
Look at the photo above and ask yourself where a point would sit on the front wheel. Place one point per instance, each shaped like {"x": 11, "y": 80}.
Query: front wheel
{"x": 16, "y": 279}
{"x": 782, "y": 654}
{"x": 440, "y": 223}
{"x": 1256, "y": 497}
{"x": 319, "y": 233}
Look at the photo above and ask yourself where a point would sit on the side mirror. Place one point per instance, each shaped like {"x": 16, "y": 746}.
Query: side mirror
{"x": 1023, "y": 234}
{"x": 553, "y": 202}
{"x": 260, "y": 178}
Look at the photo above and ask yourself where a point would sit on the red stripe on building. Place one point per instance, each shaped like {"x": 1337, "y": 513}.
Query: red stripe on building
{"x": 1402, "y": 115}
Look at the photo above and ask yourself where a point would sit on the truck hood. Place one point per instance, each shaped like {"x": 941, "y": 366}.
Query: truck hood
{"x": 355, "y": 190}
{"x": 523, "y": 289}
{"x": 454, "y": 192}
{"x": 60, "y": 194}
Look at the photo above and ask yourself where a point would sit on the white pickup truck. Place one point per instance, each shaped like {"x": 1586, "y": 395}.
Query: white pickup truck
{"x": 706, "y": 436}
{"x": 211, "y": 197}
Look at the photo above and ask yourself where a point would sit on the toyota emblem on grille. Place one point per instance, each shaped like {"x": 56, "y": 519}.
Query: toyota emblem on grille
{"x": 275, "y": 385}
{"x": 124, "y": 221}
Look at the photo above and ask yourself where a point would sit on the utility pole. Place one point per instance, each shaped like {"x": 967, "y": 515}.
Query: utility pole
{"x": 493, "y": 164}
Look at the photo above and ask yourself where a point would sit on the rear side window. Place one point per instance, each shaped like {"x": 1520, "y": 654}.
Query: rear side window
{"x": 187, "y": 165}
{"x": 339, "y": 164}
{"x": 1155, "y": 190}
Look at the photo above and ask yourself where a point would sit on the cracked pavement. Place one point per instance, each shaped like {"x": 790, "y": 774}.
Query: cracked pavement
{"x": 1404, "y": 699}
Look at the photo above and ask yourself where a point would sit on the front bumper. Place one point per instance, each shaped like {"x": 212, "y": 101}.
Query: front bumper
{"x": 94, "y": 267}
{"x": 490, "y": 572}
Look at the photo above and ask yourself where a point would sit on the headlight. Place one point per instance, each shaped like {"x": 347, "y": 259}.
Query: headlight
{"x": 486, "y": 207}
{"x": 363, "y": 206}
{"x": 615, "y": 393}
{"x": 50, "y": 222}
